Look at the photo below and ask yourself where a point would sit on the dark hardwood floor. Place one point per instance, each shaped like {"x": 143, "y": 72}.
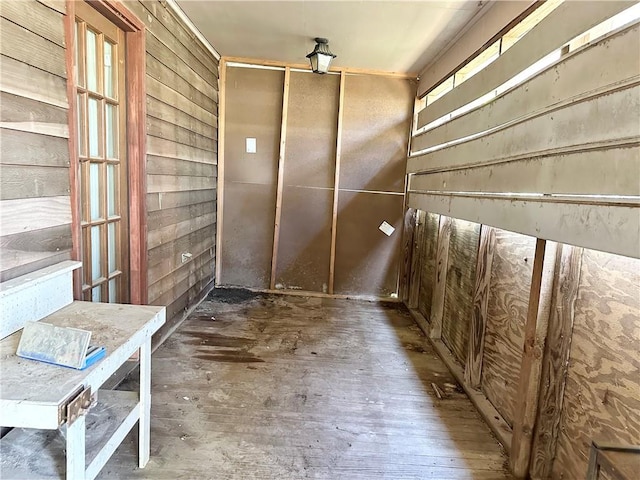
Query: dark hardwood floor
{"x": 280, "y": 387}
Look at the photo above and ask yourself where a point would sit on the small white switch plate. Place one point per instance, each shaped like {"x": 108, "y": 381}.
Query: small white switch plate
{"x": 386, "y": 229}
{"x": 251, "y": 145}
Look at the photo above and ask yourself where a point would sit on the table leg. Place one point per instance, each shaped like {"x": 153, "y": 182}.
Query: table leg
{"x": 76, "y": 449}
{"x": 145, "y": 403}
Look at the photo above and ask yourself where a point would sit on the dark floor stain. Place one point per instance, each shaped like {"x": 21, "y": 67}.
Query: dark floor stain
{"x": 247, "y": 358}
{"x": 234, "y": 295}
{"x": 217, "y": 340}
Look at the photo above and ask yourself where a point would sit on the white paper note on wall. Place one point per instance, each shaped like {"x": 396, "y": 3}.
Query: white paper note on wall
{"x": 386, "y": 229}
{"x": 251, "y": 145}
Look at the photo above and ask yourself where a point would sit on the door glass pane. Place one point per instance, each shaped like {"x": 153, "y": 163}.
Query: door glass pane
{"x": 81, "y": 134}
{"x": 111, "y": 190}
{"x": 113, "y": 290}
{"x": 111, "y": 115}
{"x": 112, "y": 248}
{"x": 92, "y": 61}
{"x": 94, "y": 191}
{"x": 108, "y": 70}
{"x": 94, "y": 139}
{"x": 96, "y": 272}
{"x": 95, "y": 294}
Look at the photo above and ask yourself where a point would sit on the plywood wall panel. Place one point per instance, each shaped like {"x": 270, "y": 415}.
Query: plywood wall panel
{"x": 249, "y": 215}
{"x": 602, "y": 392}
{"x": 367, "y": 260}
{"x": 428, "y": 274}
{"x": 305, "y": 239}
{"x": 254, "y": 110}
{"x": 460, "y": 283}
{"x": 311, "y": 130}
{"x": 506, "y": 315}
{"x": 377, "y": 118}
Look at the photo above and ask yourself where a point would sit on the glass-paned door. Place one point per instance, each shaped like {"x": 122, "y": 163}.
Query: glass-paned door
{"x": 100, "y": 90}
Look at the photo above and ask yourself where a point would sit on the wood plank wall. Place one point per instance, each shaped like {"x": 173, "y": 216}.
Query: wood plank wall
{"x": 542, "y": 159}
{"x": 539, "y": 161}
{"x": 182, "y": 120}
{"x": 182, "y": 97}
{"x": 35, "y": 211}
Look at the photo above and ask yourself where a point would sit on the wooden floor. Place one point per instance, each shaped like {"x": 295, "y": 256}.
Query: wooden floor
{"x": 275, "y": 387}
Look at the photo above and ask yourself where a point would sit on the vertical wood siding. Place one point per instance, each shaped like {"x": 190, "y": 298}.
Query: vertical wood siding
{"x": 35, "y": 211}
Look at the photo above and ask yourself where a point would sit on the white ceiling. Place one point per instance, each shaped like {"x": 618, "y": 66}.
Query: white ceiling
{"x": 399, "y": 36}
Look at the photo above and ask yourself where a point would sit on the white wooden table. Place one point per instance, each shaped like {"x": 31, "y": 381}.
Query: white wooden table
{"x": 35, "y": 395}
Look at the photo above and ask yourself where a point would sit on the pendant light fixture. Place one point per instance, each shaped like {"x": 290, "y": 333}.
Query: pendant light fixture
{"x": 321, "y": 56}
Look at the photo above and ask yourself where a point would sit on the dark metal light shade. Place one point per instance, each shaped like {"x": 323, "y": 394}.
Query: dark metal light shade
{"x": 321, "y": 56}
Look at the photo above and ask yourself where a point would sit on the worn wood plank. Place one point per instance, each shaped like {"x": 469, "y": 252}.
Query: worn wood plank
{"x": 210, "y": 354}
{"x": 171, "y": 114}
{"x": 27, "y": 47}
{"x": 24, "y": 215}
{"x": 177, "y": 183}
{"x": 32, "y": 149}
{"x": 175, "y": 82}
{"x": 569, "y": 85}
{"x": 37, "y": 18}
{"x": 170, "y": 166}
{"x": 15, "y": 263}
{"x": 169, "y": 131}
{"x": 601, "y": 398}
{"x": 477, "y": 328}
{"x": 280, "y": 178}
{"x": 511, "y": 271}
{"x": 407, "y": 252}
{"x": 428, "y": 274}
{"x": 28, "y": 181}
{"x": 606, "y": 171}
{"x": 167, "y": 216}
{"x": 57, "y": 5}
{"x": 611, "y": 226}
{"x": 169, "y": 233}
{"x": 442, "y": 259}
{"x": 459, "y": 286}
{"x": 555, "y": 362}
{"x": 336, "y": 183}
{"x": 23, "y": 114}
{"x": 535, "y": 334}
{"x": 560, "y": 26}
{"x": 159, "y": 201}
{"x": 23, "y": 80}
{"x": 178, "y": 64}
{"x": 222, "y": 107}
{"x": 417, "y": 259}
{"x": 162, "y": 147}
{"x": 539, "y": 136}
{"x": 165, "y": 94}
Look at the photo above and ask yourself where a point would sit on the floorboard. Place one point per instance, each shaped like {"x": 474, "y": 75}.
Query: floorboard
{"x": 255, "y": 386}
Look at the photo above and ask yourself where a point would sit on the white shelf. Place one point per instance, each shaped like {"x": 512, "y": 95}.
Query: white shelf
{"x": 39, "y": 454}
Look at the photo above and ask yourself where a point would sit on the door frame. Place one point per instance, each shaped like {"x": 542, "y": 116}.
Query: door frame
{"x": 135, "y": 102}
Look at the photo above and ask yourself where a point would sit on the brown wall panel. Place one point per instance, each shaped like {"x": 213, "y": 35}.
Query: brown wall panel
{"x": 253, "y": 110}
{"x": 428, "y": 267}
{"x": 305, "y": 239}
{"x": 377, "y": 118}
{"x": 460, "y": 283}
{"x": 312, "y": 119}
{"x": 602, "y": 393}
{"x": 506, "y": 315}
{"x": 367, "y": 260}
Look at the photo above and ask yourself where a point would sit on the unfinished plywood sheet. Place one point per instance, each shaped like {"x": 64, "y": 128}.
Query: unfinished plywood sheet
{"x": 511, "y": 271}
{"x": 312, "y": 119}
{"x": 305, "y": 239}
{"x": 460, "y": 283}
{"x": 377, "y": 118}
{"x": 367, "y": 260}
{"x": 304, "y": 245}
{"x": 254, "y": 110}
{"x": 428, "y": 273}
{"x": 602, "y": 392}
